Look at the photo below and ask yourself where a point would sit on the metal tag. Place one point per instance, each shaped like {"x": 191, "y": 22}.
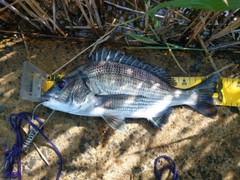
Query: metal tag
{"x": 33, "y": 80}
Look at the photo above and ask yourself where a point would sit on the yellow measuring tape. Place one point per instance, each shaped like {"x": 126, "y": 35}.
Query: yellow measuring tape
{"x": 230, "y": 90}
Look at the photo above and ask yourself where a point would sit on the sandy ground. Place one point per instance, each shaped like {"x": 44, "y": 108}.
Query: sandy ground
{"x": 202, "y": 148}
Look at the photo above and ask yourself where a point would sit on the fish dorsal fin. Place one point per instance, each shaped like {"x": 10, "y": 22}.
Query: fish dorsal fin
{"x": 106, "y": 55}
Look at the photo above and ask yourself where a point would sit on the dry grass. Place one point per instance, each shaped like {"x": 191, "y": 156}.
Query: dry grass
{"x": 68, "y": 19}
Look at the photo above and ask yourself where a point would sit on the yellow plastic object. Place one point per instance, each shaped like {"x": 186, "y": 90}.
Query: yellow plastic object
{"x": 229, "y": 89}
{"x": 47, "y": 83}
{"x": 228, "y": 95}
{"x": 230, "y": 92}
{"x": 187, "y": 82}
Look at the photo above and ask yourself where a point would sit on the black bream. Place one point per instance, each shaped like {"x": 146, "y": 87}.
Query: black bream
{"x": 116, "y": 87}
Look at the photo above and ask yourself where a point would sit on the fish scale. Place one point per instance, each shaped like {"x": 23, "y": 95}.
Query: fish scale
{"x": 114, "y": 78}
{"x": 131, "y": 103}
{"x": 115, "y": 86}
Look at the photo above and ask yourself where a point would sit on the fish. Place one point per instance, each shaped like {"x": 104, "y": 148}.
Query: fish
{"x": 118, "y": 87}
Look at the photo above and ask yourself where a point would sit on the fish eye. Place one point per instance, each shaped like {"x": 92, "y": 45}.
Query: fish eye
{"x": 60, "y": 84}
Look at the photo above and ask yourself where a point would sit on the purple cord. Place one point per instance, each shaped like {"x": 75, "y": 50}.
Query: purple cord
{"x": 15, "y": 121}
{"x": 172, "y": 167}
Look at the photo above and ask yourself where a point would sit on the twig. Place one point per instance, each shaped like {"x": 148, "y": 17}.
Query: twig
{"x": 40, "y": 14}
{"x": 96, "y": 14}
{"x": 147, "y": 5}
{"x": 49, "y": 36}
{"x": 66, "y": 12}
{"x": 59, "y": 29}
{"x": 166, "y": 21}
{"x": 213, "y": 18}
{"x": 135, "y": 4}
{"x": 101, "y": 40}
{"x": 224, "y": 46}
{"x": 229, "y": 28}
{"x": 25, "y": 44}
{"x": 83, "y": 11}
{"x": 80, "y": 27}
{"x": 43, "y": 17}
{"x": 73, "y": 58}
{"x": 102, "y": 9}
{"x": 85, "y": 15}
{"x": 32, "y": 14}
{"x": 132, "y": 10}
{"x": 54, "y": 14}
{"x": 224, "y": 22}
{"x": 18, "y": 13}
{"x": 181, "y": 15}
{"x": 199, "y": 26}
{"x": 207, "y": 53}
{"x": 173, "y": 56}
{"x": 220, "y": 70}
{"x": 90, "y": 12}
{"x": 15, "y": 2}
{"x": 126, "y": 26}
{"x": 104, "y": 37}
{"x": 190, "y": 26}
{"x": 44, "y": 14}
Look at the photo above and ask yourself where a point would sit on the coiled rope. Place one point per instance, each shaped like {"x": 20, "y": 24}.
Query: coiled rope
{"x": 15, "y": 121}
{"x": 172, "y": 167}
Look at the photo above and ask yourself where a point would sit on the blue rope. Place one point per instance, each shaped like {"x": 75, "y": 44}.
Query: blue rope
{"x": 171, "y": 167}
{"x": 15, "y": 121}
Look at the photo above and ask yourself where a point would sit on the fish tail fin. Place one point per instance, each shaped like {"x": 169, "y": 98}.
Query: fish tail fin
{"x": 204, "y": 91}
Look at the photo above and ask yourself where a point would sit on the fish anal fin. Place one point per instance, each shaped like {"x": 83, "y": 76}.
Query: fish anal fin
{"x": 162, "y": 118}
{"x": 116, "y": 122}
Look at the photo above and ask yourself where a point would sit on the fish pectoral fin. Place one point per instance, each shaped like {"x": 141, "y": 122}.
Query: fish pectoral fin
{"x": 162, "y": 118}
{"x": 116, "y": 122}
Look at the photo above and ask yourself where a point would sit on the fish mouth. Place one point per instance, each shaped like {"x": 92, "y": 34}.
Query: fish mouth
{"x": 45, "y": 97}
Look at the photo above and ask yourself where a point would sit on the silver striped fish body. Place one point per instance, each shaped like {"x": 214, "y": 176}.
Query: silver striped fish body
{"x": 106, "y": 77}
{"x": 116, "y": 87}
